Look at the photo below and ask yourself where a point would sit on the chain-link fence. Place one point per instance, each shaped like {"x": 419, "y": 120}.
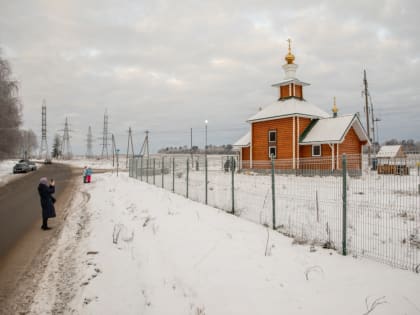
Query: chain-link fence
{"x": 372, "y": 212}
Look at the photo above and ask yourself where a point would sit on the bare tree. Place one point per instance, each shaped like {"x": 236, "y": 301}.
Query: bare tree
{"x": 28, "y": 143}
{"x": 10, "y": 112}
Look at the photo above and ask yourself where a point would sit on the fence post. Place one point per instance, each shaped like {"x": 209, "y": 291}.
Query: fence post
{"x": 163, "y": 163}
{"x": 206, "y": 175}
{"x": 147, "y": 170}
{"x": 154, "y": 171}
{"x": 173, "y": 174}
{"x": 188, "y": 171}
{"x": 344, "y": 205}
{"x": 141, "y": 168}
{"x": 137, "y": 167}
{"x": 273, "y": 192}
{"x": 233, "y": 166}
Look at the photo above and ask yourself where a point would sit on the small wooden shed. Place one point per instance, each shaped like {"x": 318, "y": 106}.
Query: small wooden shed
{"x": 391, "y": 160}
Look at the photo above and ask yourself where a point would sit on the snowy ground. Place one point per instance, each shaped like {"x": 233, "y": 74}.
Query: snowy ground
{"x": 6, "y": 171}
{"x": 132, "y": 248}
{"x": 383, "y": 212}
{"x": 94, "y": 163}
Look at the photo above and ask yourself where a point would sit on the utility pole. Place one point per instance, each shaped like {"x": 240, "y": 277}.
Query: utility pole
{"x": 43, "y": 151}
{"x": 191, "y": 147}
{"x": 89, "y": 141}
{"x": 113, "y": 149}
{"x": 373, "y": 119}
{"x": 144, "y": 151}
{"x": 367, "y": 115}
{"x": 129, "y": 145}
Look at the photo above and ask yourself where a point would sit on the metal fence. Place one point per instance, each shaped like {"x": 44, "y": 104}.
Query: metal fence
{"x": 335, "y": 205}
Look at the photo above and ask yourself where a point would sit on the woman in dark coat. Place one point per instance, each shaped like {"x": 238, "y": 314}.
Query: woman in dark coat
{"x": 45, "y": 191}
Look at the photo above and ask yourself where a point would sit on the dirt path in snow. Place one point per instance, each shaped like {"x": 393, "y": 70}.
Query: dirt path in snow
{"x": 23, "y": 266}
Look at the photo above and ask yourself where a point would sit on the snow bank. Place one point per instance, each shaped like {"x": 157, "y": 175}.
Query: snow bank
{"x": 132, "y": 248}
{"x": 6, "y": 171}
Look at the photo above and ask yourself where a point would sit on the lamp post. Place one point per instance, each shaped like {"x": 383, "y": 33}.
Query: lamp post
{"x": 205, "y": 158}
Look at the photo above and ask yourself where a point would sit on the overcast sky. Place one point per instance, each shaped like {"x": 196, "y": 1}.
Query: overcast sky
{"x": 167, "y": 66}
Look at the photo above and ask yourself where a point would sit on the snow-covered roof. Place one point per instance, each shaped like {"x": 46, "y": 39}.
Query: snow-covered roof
{"x": 389, "y": 151}
{"x": 245, "y": 141}
{"x": 292, "y": 80}
{"x": 289, "y": 107}
{"x": 333, "y": 130}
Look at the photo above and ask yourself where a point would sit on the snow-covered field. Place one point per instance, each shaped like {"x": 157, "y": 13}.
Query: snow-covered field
{"x": 383, "y": 211}
{"x": 94, "y": 163}
{"x": 131, "y": 248}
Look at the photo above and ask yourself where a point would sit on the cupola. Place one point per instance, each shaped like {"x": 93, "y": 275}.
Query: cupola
{"x": 290, "y": 86}
{"x": 335, "y": 109}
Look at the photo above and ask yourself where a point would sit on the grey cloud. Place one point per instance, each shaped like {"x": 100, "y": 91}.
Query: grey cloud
{"x": 167, "y": 66}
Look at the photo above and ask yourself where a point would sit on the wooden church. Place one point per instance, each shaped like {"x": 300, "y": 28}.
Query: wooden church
{"x": 298, "y": 134}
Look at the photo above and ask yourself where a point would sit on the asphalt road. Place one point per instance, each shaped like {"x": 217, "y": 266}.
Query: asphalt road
{"x": 20, "y": 206}
{"x": 24, "y": 247}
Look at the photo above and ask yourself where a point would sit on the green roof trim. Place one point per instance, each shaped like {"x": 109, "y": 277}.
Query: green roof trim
{"x": 307, "y": 129}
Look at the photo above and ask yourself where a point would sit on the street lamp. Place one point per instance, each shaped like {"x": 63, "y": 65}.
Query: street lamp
{"x": 205, "y": 148}
{"x": 205, "y": 157}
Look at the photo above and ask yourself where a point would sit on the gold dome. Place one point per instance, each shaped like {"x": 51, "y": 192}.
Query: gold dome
{"x": 335, "y": 108}
{"x": 289, "y": 57}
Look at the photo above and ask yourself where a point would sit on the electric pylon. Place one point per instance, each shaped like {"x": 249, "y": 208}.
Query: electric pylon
{"x": 89, "y": 141}
{"x": 65, "y": 142}
{"x": 43, "y": 151}
{"x": 105, "y": 136}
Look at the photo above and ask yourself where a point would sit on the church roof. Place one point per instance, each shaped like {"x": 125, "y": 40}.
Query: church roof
{"x": 333, "y": 130}
{"x": 288, "y": 107}
{"x": 245, "y": 141}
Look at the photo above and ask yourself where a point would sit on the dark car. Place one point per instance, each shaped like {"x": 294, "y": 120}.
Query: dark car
{"x": 21, "y": 168}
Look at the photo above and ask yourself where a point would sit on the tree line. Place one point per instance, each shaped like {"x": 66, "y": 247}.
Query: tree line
{"x": 408, "y": 145}
{"x": 14, "y": 141}
{"x": 211, "y": 149}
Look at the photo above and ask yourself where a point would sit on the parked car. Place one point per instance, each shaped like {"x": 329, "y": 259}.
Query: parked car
{"x": 31, "y": 164}
{"x": 21, "y": 167}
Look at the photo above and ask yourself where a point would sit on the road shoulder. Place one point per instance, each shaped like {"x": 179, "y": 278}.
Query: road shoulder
{"x": 23, "y": 266}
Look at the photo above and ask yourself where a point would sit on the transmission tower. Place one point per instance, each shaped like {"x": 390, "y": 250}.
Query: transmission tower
{"x": 144, "y": 151}
{"x": 89, "y": 141}
{"x": 129, "y": 146}
{"x": 43, "y": 151}
{"x": 105, "y": 136}
{"x": 65, "y": 143}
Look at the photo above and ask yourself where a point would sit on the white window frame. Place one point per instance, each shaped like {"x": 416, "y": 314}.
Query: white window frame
{"x": 275, "y": 151}
{"x": 320, "y": 150}
{"x": 275, "y": 135}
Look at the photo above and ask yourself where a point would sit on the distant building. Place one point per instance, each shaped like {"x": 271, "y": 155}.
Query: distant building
{"x": 391, "y": 159}
{"x": 390, "y": 152}
{"x": 298, "y": 134}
